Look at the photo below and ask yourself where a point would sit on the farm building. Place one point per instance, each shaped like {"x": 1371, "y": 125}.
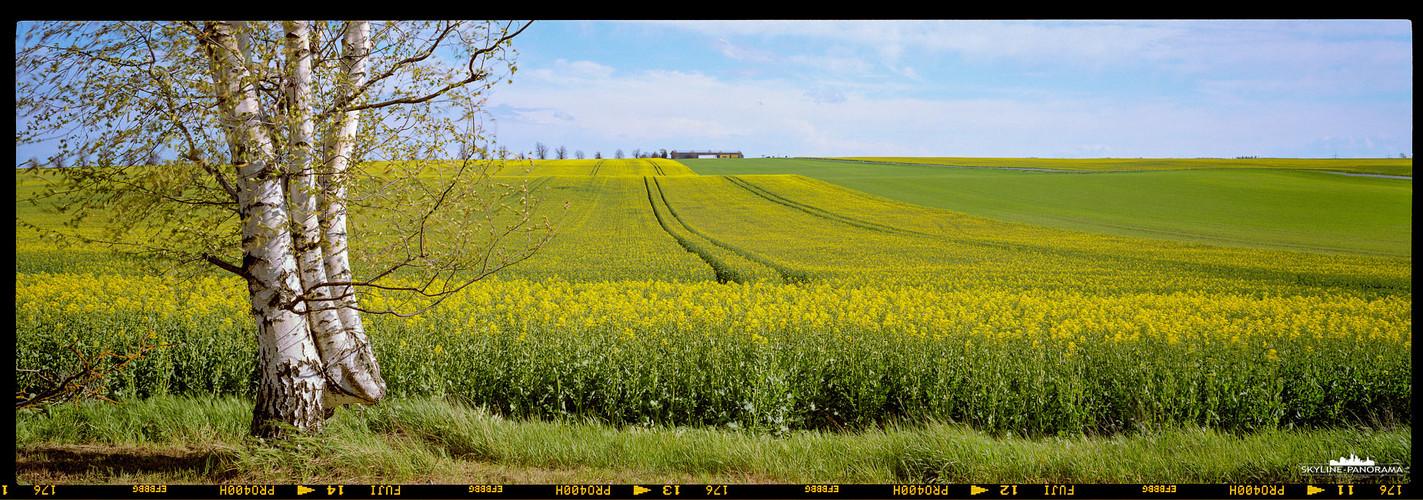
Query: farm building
{"x": 705, "y": 154}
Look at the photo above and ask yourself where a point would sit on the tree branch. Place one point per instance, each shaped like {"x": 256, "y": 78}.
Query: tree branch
{"x": 474, "y": 76}
{"x": 224, "y": 265}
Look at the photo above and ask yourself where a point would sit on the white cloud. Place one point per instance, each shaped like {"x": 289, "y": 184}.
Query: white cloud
{"x": 840, "y": 65}
{"x": 743, "y": 53}
{"x": 676, "y": 109}
{"x": 893, "y": 40}
{"x": 564, "y": 72}
{"x": 876, "y": 91}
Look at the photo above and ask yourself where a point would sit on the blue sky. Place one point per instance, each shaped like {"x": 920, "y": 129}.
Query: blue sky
{"x": 1070, "y": 89}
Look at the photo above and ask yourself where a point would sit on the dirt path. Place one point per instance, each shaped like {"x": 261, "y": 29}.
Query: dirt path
{"x": 129, "y": 464}
{"x": 99, "y": 464}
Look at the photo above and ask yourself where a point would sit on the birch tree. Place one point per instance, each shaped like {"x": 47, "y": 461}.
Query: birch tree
{"x": 289, "y": 140}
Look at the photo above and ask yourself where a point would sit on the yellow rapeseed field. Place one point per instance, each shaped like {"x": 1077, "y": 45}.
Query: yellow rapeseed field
{"x": 779, "y": 302}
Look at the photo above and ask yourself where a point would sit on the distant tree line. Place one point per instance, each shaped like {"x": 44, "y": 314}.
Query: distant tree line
{"x": 542, "y": 152}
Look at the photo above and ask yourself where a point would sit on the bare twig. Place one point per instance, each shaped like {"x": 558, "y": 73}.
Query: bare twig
{"x": 81, "y": 384}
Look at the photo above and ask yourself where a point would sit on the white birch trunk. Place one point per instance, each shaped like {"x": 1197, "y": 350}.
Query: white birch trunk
{"x": 347, "y": 353}
{"x": 326, "y": 325}
{"x": 291, "y": 385}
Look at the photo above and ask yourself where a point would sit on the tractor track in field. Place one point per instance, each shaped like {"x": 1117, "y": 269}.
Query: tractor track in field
{"x": 721, "y": 268}
{"x": 788, "y": 274}
{"x": 722, "y": 271}
{"x": 863, "y": 224}
{"x": 538, "y": 183}
{"x": 818, "y": 212}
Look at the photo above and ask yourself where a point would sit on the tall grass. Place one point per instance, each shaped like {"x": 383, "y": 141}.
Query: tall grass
{"x": 409, "y": 440}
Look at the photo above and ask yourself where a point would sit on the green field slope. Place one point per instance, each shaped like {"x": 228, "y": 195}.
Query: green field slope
{"x": 1288, "y": 209}
{"x": 1402, "y": 167}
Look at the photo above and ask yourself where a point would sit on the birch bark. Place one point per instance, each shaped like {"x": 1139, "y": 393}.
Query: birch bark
{"x": 291, "y": 384}
{"x": 347, "y": 351}
{"x": 325, "y": 322}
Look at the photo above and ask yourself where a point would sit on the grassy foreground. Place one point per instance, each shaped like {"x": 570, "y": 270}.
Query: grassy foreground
{"x": 203, "y": 441}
